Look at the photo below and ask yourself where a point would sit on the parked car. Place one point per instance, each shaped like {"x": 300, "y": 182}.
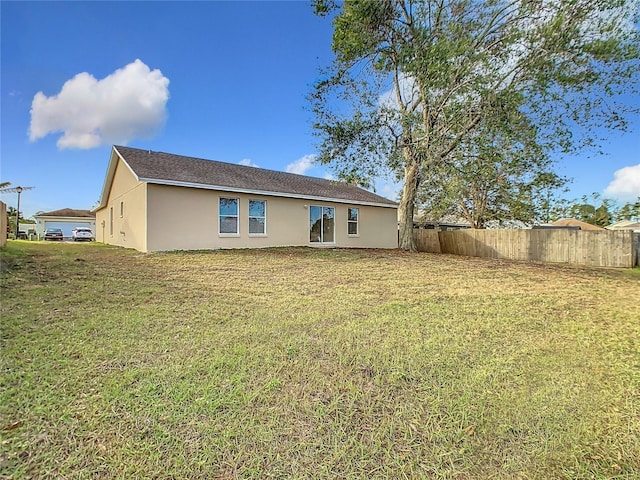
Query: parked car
{"x": 53, "y": 234}
{"x": 82, "y": 233}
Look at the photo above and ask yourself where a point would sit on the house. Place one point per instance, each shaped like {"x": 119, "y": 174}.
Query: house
{"x": 441, "y": 225}
{"x": 66, "y": 219}
{"x": 625, "y": 225}
{"x": 575, "y": 223}
{"x": 151, "y": 200}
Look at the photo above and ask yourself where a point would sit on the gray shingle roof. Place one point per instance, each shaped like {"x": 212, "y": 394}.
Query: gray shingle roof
{"x": 167, "y": 168}
{"x": 68, "y": 212}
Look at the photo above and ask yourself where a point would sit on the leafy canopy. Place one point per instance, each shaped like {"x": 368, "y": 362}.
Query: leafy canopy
{"x": 418, "y": 85}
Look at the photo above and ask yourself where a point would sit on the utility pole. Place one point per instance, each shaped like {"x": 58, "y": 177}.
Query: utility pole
{"x": 18, "y": 190}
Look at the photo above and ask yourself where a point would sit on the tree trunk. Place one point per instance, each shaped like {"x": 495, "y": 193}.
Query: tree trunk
{"x": 407, "y": 204}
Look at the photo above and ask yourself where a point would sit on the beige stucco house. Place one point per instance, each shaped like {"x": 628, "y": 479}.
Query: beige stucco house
{"x": 151, "y": 201}
{"x": 625, "y": 225}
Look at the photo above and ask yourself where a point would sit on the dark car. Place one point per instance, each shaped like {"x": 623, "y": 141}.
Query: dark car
{"x": 53, "y": 234}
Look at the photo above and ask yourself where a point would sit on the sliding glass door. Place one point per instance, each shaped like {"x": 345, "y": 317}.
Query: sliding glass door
{"x": 321, "y": 224}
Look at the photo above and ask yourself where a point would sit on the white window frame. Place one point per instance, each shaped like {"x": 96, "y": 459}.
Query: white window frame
{"x": 322, "y": 208}
{"x": 237, "y": 215}
{"x": 356, "y": 222}
{"x": 264, "y": 233}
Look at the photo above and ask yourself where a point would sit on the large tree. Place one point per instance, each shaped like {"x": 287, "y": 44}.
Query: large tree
{"x": 420, "y": 84}
{"x": 486, "y": 179}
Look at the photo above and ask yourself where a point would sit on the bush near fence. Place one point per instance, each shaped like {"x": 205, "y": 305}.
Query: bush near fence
{"x": 589, "y": 248}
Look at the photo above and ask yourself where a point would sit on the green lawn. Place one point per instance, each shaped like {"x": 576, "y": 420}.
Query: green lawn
{"x": 302, "y": 363}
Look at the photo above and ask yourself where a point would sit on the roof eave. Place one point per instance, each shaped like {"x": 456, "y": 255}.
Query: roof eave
{"x": 264, "y": 192}
{"x": 59, "y": 216}
{"x": 108, "y": 180}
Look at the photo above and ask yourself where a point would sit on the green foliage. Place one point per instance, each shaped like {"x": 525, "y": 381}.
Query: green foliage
{"x": 591, "y": 209}
{"x": 629, "y": 211}
{"x": 486, "y": 189}
{"x": 502, "y": 175}
{"x": 416, "y": 86}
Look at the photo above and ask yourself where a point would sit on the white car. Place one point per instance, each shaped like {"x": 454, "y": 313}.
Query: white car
{"x": 81, "y": 233}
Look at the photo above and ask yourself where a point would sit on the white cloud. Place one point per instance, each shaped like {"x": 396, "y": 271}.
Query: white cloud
{"x": 301, "y": 165}
{"x": 408, "y": 92}
{"x": 247, "y": 162}
{"x": 391, "y": 191}
{"x": 625, "y": 185}
{"x": 129, "y": 103}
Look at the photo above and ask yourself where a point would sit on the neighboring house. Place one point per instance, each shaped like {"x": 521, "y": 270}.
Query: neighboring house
{"x": 66, "y": 219}
{"x": 625, "y": 225}
{"x": 441, "y": 226}
{"x": 151, "y": 200}
{"x": 422, "y": 220}
{"x": 572, "y": 222}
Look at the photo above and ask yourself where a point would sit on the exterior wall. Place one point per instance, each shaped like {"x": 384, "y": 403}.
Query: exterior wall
{"x": 174, "y": 210}
{"x": 129, "y": 229}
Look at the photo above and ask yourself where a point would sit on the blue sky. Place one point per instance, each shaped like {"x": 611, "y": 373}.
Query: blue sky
{"x": 218, "y": 80}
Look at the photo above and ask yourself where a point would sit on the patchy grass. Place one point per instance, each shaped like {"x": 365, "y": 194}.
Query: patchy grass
{"x": 301, "y": 363}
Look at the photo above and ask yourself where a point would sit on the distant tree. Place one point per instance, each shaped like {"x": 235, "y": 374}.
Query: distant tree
{"x": 11, "y": 219}
{"x": 588, "y": 210}
{"x": 603, "y": 216}
{"x": 547, "y": 195}
{"x": 414, "y": 84}
{"x": 629, "y": 211}
{"x": 558, "y": 208}
{"x": 496, "y": 184}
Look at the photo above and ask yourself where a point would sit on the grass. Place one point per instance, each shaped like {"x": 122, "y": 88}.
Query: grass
{"x": 302, "y": 363}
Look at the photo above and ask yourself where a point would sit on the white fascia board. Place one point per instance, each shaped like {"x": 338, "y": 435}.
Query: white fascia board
{"x": 64, "y": 219}
{"x": 263, "y": 192}
{"x": 108, "y": 179}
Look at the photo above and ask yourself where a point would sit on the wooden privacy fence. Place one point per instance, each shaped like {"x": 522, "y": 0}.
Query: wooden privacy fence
{"x": 592, "y": 248}
{"x": 3, "y": 224}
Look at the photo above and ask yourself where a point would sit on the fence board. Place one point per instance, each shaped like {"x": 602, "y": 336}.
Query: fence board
{"x": 3, "y": 224}
{"x": 581, "y": 247}
{"x": 427, "y": 241}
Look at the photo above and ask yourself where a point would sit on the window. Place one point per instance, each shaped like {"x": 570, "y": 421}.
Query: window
{"x": 121, "y": 209}
{"x": 257, "y": 217}
{"x": 321, "y": 224}
{"x": 352, "y": 222}
{"x": 111, "y": 221}
{"x": 228, "y": 216}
